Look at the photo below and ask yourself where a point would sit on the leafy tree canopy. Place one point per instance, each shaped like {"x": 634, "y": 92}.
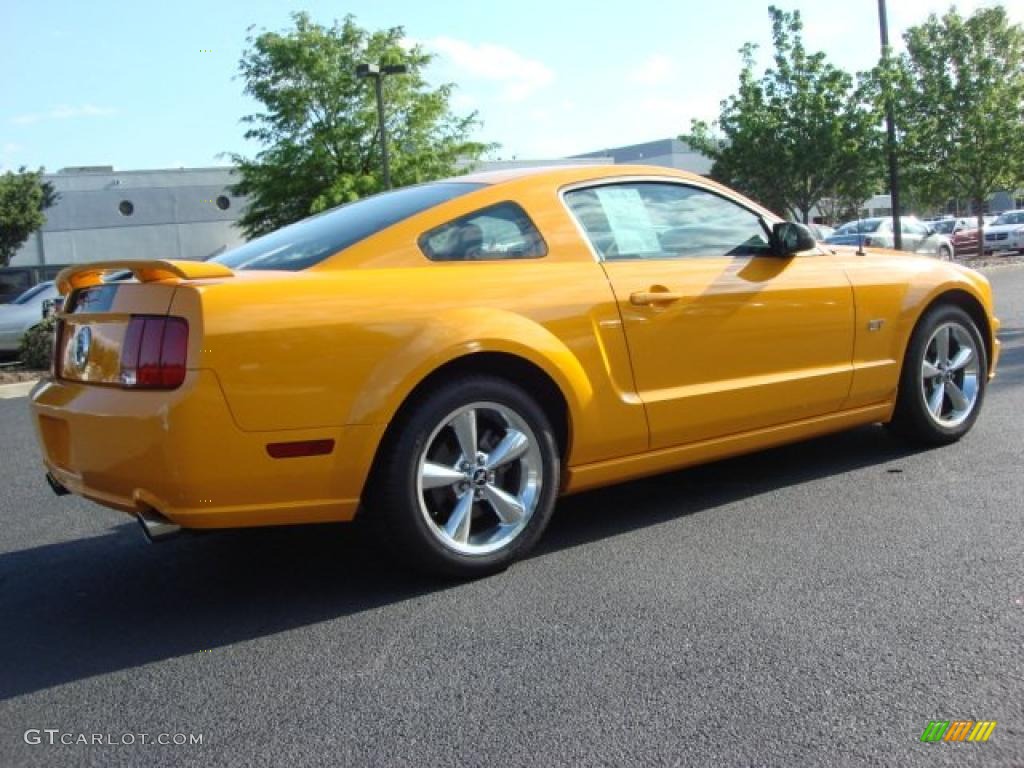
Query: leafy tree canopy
{"x": 23, "y": 198}
{"x": 959, "y": 90}
{"x": 802, "y": 132}
{"x": 318, "y": 127}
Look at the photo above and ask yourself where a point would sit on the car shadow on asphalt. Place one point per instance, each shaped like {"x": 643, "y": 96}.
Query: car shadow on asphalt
{"x": 93, "y": 606}
{"x": 613, "y": 511}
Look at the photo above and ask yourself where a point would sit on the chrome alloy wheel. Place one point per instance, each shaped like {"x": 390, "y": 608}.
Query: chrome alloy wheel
{"x": 479, "y": 478}
{"x": 949, "y": 375}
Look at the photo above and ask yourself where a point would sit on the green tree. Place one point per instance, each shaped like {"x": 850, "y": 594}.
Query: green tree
{"x": 318, "y": 127}
{"x": 802, "y": 132}
{"x": 23, "y": 198}
{"x": 960, "y": 101}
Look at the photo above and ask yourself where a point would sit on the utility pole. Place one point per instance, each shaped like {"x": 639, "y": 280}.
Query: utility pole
{"x": 890, "y": 129}
{"x": 378, "y": 73}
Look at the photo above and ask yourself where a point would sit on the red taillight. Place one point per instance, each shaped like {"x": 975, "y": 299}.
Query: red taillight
{"x": 174, "y": 352}
{"x": 147, "y": 368}
{"x": 154, "y": 352}
{"x": 130, "y": 345}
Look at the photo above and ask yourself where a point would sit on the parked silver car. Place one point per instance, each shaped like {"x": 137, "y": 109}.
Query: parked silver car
{"x": 23, "y": 313}
{"x": 918, "y": 237}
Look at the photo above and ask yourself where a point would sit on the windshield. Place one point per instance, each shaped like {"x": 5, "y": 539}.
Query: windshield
{"x": 32, "y": 293}
{"x": 312, "y": 240}
{"x": 944, "y": 227}
{"x": 851, "y": 228}
{"x": 1011, "y": 217}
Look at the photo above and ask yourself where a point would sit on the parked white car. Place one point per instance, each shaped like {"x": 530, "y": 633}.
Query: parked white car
{"x": 1006, "y": 233}
{"x": 23, "y": 313}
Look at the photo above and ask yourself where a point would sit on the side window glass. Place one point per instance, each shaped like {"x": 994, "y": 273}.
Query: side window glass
{"x": 502, "y": 231}
{"x": 650, "y": 220}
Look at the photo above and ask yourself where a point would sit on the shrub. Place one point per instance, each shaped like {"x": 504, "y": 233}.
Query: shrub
{"x": 36, "y": 350}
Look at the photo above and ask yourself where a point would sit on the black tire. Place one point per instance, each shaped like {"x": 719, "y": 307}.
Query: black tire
{"x": 945, "y": 253}
{"x": 913, "y": 419}
{"x": 412, "y": 520}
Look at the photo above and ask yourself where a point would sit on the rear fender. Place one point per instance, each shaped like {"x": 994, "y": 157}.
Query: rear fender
{"x": 465, "y": 332}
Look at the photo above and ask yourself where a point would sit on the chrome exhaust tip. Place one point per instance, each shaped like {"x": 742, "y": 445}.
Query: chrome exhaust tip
{"x": 55, "y": 485}
{"x": 157, "y": 527}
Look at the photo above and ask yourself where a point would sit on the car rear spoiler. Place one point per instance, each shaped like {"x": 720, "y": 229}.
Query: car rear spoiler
{"x": 148, "y": 271}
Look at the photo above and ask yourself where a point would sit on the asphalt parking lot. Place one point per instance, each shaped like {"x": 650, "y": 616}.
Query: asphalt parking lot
{"x": 815, "y": 604}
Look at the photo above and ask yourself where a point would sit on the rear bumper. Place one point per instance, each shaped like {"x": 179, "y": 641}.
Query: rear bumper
{"x": 182, "y": 454}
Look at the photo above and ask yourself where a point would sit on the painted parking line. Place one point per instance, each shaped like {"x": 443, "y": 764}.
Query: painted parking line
{"x": 19, "y": 389}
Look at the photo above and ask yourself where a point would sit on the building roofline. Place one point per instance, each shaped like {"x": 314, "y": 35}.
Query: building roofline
{"x": 85, "y": 171}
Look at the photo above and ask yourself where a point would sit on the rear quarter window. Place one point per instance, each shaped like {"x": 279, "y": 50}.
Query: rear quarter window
{"x": 499, "y": 232}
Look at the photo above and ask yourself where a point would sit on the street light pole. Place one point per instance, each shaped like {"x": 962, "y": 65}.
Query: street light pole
{"x": 378, "y": 85}
{"x": 890, "y": 129}
{"x": 378, "y": 73}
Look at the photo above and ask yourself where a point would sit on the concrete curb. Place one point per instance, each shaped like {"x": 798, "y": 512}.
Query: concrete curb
{"x": 990, "y": 267}
{"x": 18, "y": 389}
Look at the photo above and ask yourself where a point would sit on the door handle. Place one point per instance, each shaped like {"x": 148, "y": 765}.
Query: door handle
{"x": 648, "y": 298}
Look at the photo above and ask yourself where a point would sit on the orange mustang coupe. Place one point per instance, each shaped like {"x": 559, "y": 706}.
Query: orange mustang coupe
{"x": 449, "y": 358}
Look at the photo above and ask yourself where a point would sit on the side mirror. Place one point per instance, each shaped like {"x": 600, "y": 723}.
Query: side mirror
{"x": 789, "y": 238}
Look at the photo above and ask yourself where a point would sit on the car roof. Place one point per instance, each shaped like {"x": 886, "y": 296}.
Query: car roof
{"x": 560, "y": 176}
{"x": 568, "y": 174}
{"x": 886, "y": 218}
{"x": 534, "y": 186}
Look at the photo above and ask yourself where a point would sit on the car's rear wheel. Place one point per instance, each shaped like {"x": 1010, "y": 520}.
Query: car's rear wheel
{"x": 468, "y": 478}
{"x": 945, "y": 372}
{"x": 945, "y": 253}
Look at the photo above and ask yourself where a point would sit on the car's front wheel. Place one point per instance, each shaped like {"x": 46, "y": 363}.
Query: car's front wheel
{"x": 467, "y": 480}
{"x": 945, "y": 253}
{"x": 942, "y": 384}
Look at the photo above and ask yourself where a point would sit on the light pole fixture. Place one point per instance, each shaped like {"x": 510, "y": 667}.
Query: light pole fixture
{"x": 890, "y": 129}
{"x": 378, "y": 72}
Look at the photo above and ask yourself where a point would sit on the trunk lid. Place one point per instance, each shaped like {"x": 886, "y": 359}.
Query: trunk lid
{"x": 94, "y": 324}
